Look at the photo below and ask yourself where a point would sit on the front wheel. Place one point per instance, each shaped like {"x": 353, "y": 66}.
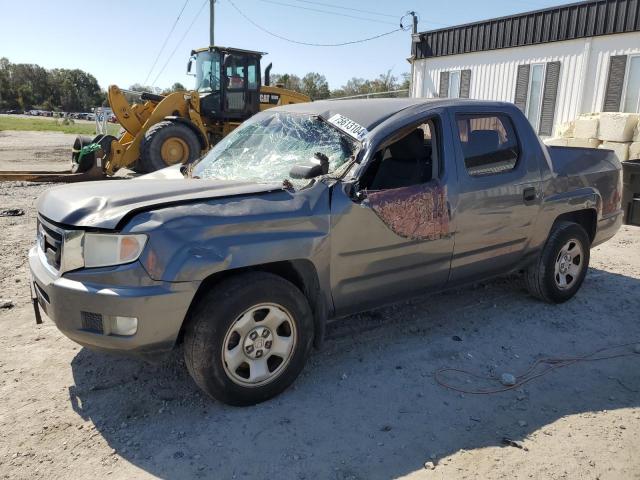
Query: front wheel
{"x": 249, "y": 338}
{"x": 558, "y": 273}
{"x": 168, "y": 143}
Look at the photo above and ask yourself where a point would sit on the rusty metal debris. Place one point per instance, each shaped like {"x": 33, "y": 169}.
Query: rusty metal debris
{"x": 418, "y": 212}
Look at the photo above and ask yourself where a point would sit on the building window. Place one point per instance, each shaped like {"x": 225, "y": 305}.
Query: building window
{"x": 631, "y": 102}
{"x": 534, "y": 99}
{"x": 454, "y": 84}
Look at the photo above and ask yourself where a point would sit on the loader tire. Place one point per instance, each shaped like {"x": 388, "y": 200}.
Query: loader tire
{"x": 168, "y": 143}
{"x": 83, "y": 164}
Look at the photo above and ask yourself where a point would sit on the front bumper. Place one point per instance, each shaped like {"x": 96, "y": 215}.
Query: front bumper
{"x": 160, "y": 307}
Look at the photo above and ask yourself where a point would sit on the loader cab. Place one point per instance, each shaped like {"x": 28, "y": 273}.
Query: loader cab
{"x": 228, "y": 81}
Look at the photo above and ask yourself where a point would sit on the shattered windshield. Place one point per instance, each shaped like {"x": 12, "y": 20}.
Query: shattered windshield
{"x": 268, "y": 145}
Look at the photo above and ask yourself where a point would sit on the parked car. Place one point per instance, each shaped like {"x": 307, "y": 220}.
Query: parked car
{"x": 311, "y": 212}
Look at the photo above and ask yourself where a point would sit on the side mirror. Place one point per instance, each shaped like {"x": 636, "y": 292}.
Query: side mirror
{"x": 319, "y": 165}
{"x": 189, "y": 67}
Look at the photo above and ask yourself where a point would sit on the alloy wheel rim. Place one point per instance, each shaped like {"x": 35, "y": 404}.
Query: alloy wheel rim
{"x": 568, "y": 265}
{"x": 259, "y": 345}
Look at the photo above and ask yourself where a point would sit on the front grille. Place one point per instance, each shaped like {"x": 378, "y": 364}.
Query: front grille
{"x": 50, "y": 239}
{"x": 92, "y": 322}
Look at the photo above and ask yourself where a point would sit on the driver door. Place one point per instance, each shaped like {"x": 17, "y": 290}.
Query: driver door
{"x": 390, "y": 236}
{"x": 242, "y": 85}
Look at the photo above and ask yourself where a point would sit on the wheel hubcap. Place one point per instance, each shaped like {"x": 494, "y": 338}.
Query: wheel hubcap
{"x": 259, "y": 345}
{"x": 174, "y": 150}
{"x": 568, "y": 264}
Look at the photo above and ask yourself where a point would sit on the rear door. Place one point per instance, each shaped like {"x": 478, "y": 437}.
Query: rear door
{"x": 499, "y": 192}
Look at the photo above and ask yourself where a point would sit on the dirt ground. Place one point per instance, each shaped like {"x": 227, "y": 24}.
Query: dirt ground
{"x": 35, "y": 150}
{"x": 367, "y": 405}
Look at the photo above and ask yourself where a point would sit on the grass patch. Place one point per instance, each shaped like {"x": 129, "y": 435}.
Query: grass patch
{"x": 49, "y": 125}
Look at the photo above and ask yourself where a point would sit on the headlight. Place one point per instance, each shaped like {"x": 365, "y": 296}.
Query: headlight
{"x": 82, "y": 249}
{"x": 103, "y": 249}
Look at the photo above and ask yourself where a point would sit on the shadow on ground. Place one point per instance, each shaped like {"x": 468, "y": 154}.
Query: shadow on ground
{"x": 367, "y": 405}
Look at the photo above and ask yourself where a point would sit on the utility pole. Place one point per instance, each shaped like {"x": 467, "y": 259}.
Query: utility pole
{"x": 211, "y": 22}
{"x": 412, "y": 58}
{"x": 415, "y": 22}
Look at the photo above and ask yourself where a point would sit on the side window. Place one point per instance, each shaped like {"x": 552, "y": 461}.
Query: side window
{"x": 411, "y": 160}
{"x": 252, "y": 76}
{"x": 235, "y": 73}
{"x": 489, "y": 144}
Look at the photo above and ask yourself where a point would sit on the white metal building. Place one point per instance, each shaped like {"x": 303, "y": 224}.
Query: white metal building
{"x": 554, "y": 63}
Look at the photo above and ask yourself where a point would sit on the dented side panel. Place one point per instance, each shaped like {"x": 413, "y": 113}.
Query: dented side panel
{"x": 193, "y": 241}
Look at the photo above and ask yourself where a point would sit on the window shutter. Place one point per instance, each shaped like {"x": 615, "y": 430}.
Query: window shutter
{"x": 615, "y": 83}
{"x": 549, "y": 97}
{"x": 465, "y": 83}
{"x": 444, "y": 85}
{"x": 522, "y": 87}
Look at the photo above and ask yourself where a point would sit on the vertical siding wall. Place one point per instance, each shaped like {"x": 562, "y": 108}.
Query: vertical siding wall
{"x": 583, "y": 72}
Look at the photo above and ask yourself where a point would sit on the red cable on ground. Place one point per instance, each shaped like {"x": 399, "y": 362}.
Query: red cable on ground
{"x": 530, "y": 374}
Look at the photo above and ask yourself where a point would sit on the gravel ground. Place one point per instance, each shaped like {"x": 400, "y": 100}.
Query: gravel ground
{"x": 366, "y": 407}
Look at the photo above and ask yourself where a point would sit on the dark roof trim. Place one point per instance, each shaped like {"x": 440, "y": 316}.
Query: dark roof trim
{"x": 566, "y": 22}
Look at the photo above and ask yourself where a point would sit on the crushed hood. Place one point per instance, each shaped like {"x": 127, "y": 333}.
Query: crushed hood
{"x": 103, "y": 204}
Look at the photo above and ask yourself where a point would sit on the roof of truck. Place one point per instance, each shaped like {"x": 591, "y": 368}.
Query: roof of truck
{"x": 371, "y": 112}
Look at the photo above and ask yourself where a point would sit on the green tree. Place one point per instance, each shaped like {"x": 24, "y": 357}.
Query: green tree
{"x": 27, "y": 86}
{"x": 315, "y": 86}
{"x": 289, "y": 81}
{"x": 176, "y": 87}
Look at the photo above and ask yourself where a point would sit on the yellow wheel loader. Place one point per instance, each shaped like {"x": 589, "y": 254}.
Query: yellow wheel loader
{"x": 164, "y": 130}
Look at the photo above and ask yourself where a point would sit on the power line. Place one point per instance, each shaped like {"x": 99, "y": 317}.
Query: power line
{"x": 309, "y": 43}
{"x": 180, "y": 41}
{"x": 333, "y": 5}
{"x": 166, "y": 40}
{"x": 326, "y": 11}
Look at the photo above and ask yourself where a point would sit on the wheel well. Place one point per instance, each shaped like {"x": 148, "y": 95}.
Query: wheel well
{"x": 587, "y": 219}
{"x": 302, "y": 273}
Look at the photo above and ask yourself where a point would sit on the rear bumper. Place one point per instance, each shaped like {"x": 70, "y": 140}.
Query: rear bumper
{"x": 160, "y": 308}
{"x": 607, "y": 227}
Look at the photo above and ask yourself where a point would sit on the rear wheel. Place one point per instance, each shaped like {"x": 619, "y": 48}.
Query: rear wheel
{"x": 561, "y": 268}
{"x": 249, "y": 338}
{"x": 168, "y": 143}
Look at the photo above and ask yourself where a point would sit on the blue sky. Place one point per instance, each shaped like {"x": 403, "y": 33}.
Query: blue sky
{"x": 119, "y": 44}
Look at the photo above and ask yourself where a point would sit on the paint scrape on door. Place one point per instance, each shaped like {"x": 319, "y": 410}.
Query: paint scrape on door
{"x": 417, "y": 212}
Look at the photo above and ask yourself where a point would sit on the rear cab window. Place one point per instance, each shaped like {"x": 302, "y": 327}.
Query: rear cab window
{"x": 489, "y": 143}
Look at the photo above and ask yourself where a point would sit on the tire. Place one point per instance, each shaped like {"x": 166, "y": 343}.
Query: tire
{"x": 184, "y": 141}
{"x": 225, "y": 320}
{"x": 544, "y": 278}
{"x": 87, "y": 161}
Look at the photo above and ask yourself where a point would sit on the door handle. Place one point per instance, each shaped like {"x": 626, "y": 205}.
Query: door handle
{"x": 529, "y": 195}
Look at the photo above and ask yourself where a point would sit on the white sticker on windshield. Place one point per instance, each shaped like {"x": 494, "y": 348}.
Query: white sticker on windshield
{"x": 348, "y": 126}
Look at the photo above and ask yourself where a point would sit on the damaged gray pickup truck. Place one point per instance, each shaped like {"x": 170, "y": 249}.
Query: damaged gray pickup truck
{"x": 311, "y": 212}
